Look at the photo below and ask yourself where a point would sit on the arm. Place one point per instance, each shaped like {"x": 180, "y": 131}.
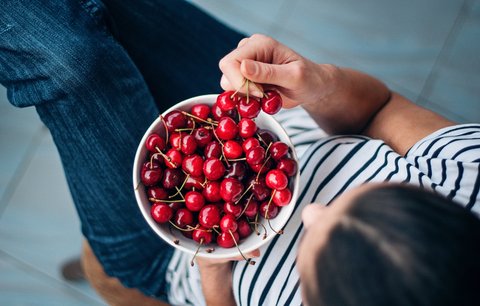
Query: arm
{"x": 340, "y": 100}
{"x": 216, "y": 283}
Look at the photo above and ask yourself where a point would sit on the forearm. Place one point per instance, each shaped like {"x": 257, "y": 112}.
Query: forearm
{"x": 217, "y": 284}
{"x": 351, "y": 101}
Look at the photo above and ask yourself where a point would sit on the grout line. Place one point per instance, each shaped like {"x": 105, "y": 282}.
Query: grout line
{"x": 26, "y": 267}
{"x": 452, "y": 34}
{"x": 21, "y": 169}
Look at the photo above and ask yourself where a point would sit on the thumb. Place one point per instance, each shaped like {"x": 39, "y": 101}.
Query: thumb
{"x": 264, "y": 73}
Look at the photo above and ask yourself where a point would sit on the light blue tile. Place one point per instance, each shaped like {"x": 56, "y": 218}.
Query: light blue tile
{"x": 39, "y": 225}
{"x": 456, "y": 82}
{"x": 394, "y": 40}
{"x": 20, "y": 285}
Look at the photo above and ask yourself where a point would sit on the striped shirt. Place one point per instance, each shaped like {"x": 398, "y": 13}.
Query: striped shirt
{"x": 447, "y": 161}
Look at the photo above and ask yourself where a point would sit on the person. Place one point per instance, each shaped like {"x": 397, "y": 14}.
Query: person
{"x": 99, "y": 72}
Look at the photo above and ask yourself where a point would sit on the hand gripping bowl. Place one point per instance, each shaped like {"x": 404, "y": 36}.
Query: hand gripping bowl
{"x": 246, "y": 245}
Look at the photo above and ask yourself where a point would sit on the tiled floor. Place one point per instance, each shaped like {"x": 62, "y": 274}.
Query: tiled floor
{"x": 428, "y": 50}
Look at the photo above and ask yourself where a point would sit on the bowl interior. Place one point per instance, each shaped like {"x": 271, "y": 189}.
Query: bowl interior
{"x": 252, "y": 242}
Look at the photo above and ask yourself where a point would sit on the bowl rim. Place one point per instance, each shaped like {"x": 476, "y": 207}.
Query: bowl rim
{"x": 137, "y": 187}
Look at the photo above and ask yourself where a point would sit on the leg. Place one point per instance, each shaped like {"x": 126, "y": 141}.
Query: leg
{"x": 59, "y": 57}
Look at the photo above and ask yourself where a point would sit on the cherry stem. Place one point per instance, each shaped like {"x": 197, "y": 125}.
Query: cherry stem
{"x": 196, "y": 252}
{"x": 237, "y": 159}
{"x": 166, "y": 129}
{"x": 209, "y": 120}
{"x": 261, "y": 168}
{"x": 264, "y": 228}
{"x": 246, "y": 205}
{"x": 188, "y": 229}
{"x": 221, "y": 143}
{"x": 244, "y": 193}
{"x": 236, "y": 92}
{"x": 167, "y": 159}
{"x": 280, "y": 232}
{"x": 215, "y": 229}
{"x": 236, "y": 244}
{"x": 184, "y": 129}
{"x": 165, "y": 201}
{"x": 181, "y": 187}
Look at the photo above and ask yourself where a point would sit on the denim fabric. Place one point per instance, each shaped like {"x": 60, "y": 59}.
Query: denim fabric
{"x": 98, "y": 92}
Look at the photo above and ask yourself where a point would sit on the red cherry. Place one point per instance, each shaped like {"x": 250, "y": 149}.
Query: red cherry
{"x": 189, "y": 144}
{"x": 175, "y": 120}
{"x": 150, "y": 177}
{"x": 232, "y": 149}
{"x": 213, "y": 149}
{"x": 259, "y": 189}
{"x": 202, "y": 235}
{"x": 176, "y": 140}
{"x": 218, "y": 114}
{"x": 255, "y": 156}
{"x": 272, "y": 211}
{"x": 232, "y": 209}
{"x": 155, "y": 141}
{"x": 251, "y": 208}
{"x": 225, "y": 239}
{"x": 183, "y": 217}
{"x": 228, "y": 223}
{"x": 172, "y": 178}
{"x": 231, "y": 189}
{"x": 201, "y": 111}
{"x": 244, "y": 229}
{"x": 161, "y": 212}
{"x": 213, "y": 169}
{"x": 157, "y": 193}
{"x": 202, "y": 136}
{"x": 287, "y": 165}
{"x": 237, "y": 170}
{"x": 209, "y": 216}
{"x": 175, "y": 158}
{"x": 194, "y": 182}
{"x": 278, "y": 150}
{"x": 262, "y": 168}
{"x": 272, "y": 103}
{"x": 227, "y": 101}
{"x": 176, "y": 206}
{"x": 282, "y": 197}
{"x": 193, "y": 165}
{"x": 247, "y": 128}
{"x": 276, "y": 179}
{"x": 211, "y": 192}
{"x": 250, "y": 143}
{"x": 266, "y": 137}
{"x": 226, "y": 129}
{"x": 194, "y": 200}
{"x": 249, "y": 109}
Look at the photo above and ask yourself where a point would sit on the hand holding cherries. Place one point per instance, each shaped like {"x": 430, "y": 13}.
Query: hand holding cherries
{"x": 214, "y": 175}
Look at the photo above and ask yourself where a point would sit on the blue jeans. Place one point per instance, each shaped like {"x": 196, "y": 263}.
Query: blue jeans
{"x": 98, "y": 74}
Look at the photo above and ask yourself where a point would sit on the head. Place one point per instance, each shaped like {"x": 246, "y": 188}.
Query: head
{"x": 390, "y": 245}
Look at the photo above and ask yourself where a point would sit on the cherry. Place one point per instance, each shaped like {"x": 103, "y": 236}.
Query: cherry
{"x": 209, "y": 216}
{"x": 190, "y": 123}
{"x": 193, "y": 165}
{"x": 272, "y": 103}
{"x": 237, "y": 170}
{"x": 227, "y": 101}
{"x": 228, "y": 223}
{"x": 244, "y": 229}
{"x": 282, "y": 197}
{"x": 278, "y": 150}
{"x": 255, "y": 156}
{"x": 211, "y": 192}
{"x": 218, "y": 114}
{"x": 213, "y": 149}
{"x": 189, "y": 144}
{"x": 259, "y": 189}
{"x": 157, "y": 158}
{"x": 174, "y": 158}
{"x": 194, "y": 200}
{"x": 153, "y": 142}
{"x": 231, "y": 189}
{"x": 250, "y": 143}
{"x": 202, "y": 235}
{"x": 201, "y": 111}
{"x": 150, "y": 177}
{"x": 202, "y": 136}
{"x": 194, "y": 182}
{"x": 276, "y": 179}
{"x": 232, "y": 149}
{"x": 287, "y": 165}
{"x": 272, "y": 211}
{"x": 247, "y": 128}
{"x": 183, "y": 217}
{"x": 176, "y": 140}
{"x": 213, "y": 169}
{"x": 262, "y": 168}
{"x": 248, "y": 108}
{"x": 176, "y": 205}
{"x": 232, "y": 209}
{"x": 172, "y": 178}
{"x": 161, "y": 212}
{"x": 175, "y": 120}
{"x": 250, "y": 208}
{"x": 226, "y": 129}
{"x": 266, "y": 137}
{"x": 157, "y": 193}
{"x": 227, "y": 239}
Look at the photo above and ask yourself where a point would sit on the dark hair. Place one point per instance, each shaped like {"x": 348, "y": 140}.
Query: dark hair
{"x": 398, "y": 245}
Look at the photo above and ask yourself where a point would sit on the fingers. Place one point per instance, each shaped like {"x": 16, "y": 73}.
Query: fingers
{"x": 267, "y": 73}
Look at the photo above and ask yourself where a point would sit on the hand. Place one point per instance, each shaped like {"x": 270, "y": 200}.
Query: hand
{"x": 270, "y": 64}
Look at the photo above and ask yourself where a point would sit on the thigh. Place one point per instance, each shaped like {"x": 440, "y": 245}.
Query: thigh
{"x": 175, "y": 45}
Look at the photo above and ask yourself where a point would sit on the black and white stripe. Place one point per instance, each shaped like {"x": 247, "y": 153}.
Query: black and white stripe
{"x": 447, "y": 161}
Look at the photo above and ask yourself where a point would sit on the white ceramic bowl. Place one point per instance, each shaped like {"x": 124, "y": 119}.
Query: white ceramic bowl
{"x": 248, "y": 244}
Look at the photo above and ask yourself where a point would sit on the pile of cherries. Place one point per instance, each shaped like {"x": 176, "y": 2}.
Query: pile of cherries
{"x": 214, "y": 173}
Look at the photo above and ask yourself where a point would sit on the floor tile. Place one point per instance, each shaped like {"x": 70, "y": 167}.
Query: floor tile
{"x": 456, "y": 79}
{"x": 20, "y": 285}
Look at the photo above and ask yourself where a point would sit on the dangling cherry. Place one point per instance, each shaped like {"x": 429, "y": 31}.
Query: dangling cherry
{"x": 272, "y": 103}
{"x": 227, "y": 101}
